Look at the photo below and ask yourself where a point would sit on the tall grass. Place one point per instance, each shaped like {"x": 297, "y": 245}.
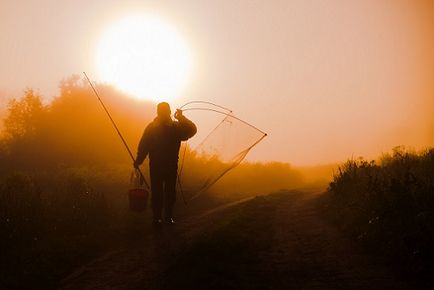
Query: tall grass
{"x": 48, "y": 224}
{"x": 389, "y": 204}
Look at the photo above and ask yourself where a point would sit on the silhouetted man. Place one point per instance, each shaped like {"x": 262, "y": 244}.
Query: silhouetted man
{"x": 161, "y": 140}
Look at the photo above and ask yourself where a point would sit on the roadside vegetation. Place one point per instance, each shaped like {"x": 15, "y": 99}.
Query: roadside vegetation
{"x": 388, "y": 206}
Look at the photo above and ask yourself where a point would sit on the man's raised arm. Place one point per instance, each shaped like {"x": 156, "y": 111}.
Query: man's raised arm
{"x": 187, "y": 128}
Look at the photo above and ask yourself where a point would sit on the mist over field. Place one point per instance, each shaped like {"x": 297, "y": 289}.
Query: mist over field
{"x": 325, "y": 81}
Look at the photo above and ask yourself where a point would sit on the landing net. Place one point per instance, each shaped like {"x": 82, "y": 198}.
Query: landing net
{"x": 222, "y": 146}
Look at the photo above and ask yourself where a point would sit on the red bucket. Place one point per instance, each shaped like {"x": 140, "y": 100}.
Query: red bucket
{"x": 138, "y": 199}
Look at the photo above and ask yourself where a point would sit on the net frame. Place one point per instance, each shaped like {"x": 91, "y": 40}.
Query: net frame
{"x": 234, "y": 161}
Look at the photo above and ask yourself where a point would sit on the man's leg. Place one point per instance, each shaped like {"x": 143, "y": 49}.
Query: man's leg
{"x": 170, "y": 193}
{"x": 157, "y": 192}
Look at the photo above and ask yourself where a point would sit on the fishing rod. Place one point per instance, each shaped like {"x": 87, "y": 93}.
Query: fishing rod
{"x": 142, "y": 177}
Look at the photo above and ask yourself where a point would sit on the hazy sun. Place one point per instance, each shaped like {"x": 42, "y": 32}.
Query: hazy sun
{"x": 144, "y": 56}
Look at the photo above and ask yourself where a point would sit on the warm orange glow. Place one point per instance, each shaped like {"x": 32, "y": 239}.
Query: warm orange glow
{"x": 145, "y": 57}
{"x": 326, "y": 81}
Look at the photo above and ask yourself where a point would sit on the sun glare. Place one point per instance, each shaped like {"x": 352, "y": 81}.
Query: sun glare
{"x": 145, "y": 57}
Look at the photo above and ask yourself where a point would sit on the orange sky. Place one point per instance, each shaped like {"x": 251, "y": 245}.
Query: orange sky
{"x": 326, "y": 79}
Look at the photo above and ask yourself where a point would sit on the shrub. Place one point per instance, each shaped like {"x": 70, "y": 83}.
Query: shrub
{"x": 388, "y": 204}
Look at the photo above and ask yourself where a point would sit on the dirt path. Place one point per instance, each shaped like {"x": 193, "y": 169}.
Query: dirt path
{"x": 293, "y": 248}
{"x": 131, "y": 268}
{"x": 308, "y": 253}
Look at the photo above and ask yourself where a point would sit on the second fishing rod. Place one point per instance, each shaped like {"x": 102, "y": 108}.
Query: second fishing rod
{"x": 142, "y": 177}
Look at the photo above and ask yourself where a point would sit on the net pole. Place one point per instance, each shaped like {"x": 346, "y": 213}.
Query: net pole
{"x": 224, "y": 113}
{"x": 116, "y": 128}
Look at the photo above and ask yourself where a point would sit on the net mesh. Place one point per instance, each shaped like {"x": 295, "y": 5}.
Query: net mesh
{"x": 223, "y": 146}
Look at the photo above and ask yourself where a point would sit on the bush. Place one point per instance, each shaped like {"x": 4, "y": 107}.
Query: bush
{"x": 389, "y": 204}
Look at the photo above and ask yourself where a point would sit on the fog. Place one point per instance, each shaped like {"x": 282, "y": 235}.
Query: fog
{"x": 327, "y": 82}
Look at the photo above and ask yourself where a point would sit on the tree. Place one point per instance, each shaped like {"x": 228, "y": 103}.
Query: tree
{"x": 24, "y": 116}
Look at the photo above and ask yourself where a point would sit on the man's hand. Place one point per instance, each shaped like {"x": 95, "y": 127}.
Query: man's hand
{"x": 178, "y": 114}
